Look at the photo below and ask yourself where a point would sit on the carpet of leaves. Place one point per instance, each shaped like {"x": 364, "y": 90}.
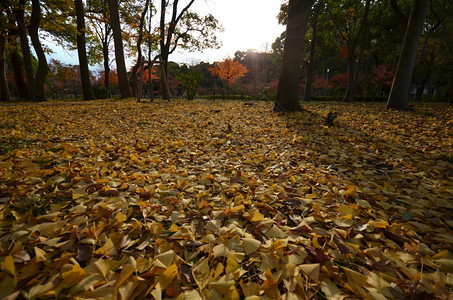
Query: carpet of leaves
{"x": 225, "y": 200}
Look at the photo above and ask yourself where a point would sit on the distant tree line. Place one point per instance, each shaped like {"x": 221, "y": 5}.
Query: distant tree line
{"x": 348, "y": 50}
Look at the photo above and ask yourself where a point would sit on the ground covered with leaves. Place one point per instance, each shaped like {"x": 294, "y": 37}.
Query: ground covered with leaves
{"x": 225, "y": 200}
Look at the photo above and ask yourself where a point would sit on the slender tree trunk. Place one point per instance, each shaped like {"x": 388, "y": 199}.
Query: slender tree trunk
{"x": 105, "y": 54}
{"x": 81, "y": 50}
{"x": 4, "y": 90}
{"x": 399, "y": 92}
{"x": 310, "y": 63}
{"x": 296, "y": 27}
{"x": 349, "y": 95}
{"x": 43, "y": 69}
{"x": 25, "y": 48}
{"x": 123, "y": 81}
{"x": 139, "y": 49}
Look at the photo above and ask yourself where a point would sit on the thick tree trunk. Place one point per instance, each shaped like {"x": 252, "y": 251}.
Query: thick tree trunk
{"x": 4, "y": 90}
{"x": 310, "y": 63}
{"x": 25, "y": 48}
{"x": 296, "y": 27}
{"x": 399, "y": 92}
{"x": 18, "y": 75}
{"x": 81, "y": 50}
{"x": 123, "y": 81}
{"x": 43, "y": 69}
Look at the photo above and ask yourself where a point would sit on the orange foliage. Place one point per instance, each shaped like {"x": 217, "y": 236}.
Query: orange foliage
{"x": 229, "y": 70}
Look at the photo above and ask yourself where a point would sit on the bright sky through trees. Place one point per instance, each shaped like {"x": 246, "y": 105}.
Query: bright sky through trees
{"x": 248, "y": 24}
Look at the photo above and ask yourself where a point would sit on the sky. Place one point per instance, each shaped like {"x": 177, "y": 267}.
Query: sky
{"x": 248, "y": 24}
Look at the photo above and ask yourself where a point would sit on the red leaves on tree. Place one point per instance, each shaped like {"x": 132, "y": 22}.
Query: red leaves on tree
{"x": 229, "y": 70}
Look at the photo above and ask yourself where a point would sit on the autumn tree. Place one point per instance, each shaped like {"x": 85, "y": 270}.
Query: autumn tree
{"x": 81, "y": 49}
{"x": 125, "y": 90}
{"x": 399, "y": 92}
{"x": 185, "y": 30}
{"x": 296, "y": 27}
{"x": 139, "y": 47}
{"x": 4, "y": 90}
{"x": 228, "y": 70}
{"x": 349, "y": 18}
{"x": 99, "y": 22}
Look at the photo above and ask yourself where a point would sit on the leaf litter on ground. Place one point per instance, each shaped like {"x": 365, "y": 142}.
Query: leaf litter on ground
{"x": 221, "y": 200}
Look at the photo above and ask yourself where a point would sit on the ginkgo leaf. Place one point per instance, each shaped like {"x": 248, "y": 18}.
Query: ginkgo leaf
{"x": 112, "y": 199}
{"x": 250, "y": 245}
{"x": 167, "y": 276}
{"x": 311, "y": 270}
{"x": 257, "y": 216}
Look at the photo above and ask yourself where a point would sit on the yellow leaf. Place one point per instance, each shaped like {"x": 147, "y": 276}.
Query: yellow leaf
{"x": 120, "y": 217}
{"x": 381, "y": 224}
{"x": 167, "y": 276}
{"x": 257, "y": 216}
{"x": 126, "y": 272}
{"x": 164, "y": 260}
{"x": 275, "y": 232}
{"x": 173, "y": 228}
{"x": 40, "y": 254}
{"x": 250, "y": 245}
{"x": 72, "y": 277}
{"x": 355, "y": 279}
{"x": 311, "y": 270}
{"x": 7, "y": 265}
{"x": 232, "y": 264}
{"x": 315, "y": 241}
{"x": 224, "y": 284}
{"x": 220, "y": 250}
{"x": 250, "y": 288}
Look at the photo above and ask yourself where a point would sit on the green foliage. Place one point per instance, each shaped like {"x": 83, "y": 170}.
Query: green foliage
{"x": 101, "y": 92}
{"x": 197, "y": 33}
{"x": 190, "y": 80}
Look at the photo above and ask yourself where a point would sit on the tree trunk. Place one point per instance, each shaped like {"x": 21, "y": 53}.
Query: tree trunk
{"x": 399, "y": 92}
{"x": 43, "y": 69}
{"x": 349, "y": 95}
{"x": 139, "y": 49}
{"x": 81, "y": 50}
{"x": 105, "y": 54}
{"x": 296, "y": 27}
{"x": 310, "y": 63}
{"x": 4, "y": 90}
{"x": 25, "y": 48}
{"x": 21, "y": 85}
{"x": 123, "y": 81}
{"x": 18, "y": 75}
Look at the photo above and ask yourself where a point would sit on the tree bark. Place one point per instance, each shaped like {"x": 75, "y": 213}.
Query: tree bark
{"x": 139, "y": 49}
{"x": 81, "y": 50}
{"x": 310, "y": 63}
{"x": 4, "y": 90}
{"x": 25, "y": 48}
{"x": 352, "y": 45}
{"x": 43, "y": 69}
{"x": 296, "y": 27}
{"x": 123, "y": 81}
{"x": 166, "y": 37}
{"x": 399, "y": 92}
{"x": 18, "y": 75}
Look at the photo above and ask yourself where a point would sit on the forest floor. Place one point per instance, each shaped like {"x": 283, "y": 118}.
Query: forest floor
{"x": 203, "y": 199}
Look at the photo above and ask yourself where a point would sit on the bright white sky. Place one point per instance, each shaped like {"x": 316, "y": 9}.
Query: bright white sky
{"x": 248, "y": 24}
